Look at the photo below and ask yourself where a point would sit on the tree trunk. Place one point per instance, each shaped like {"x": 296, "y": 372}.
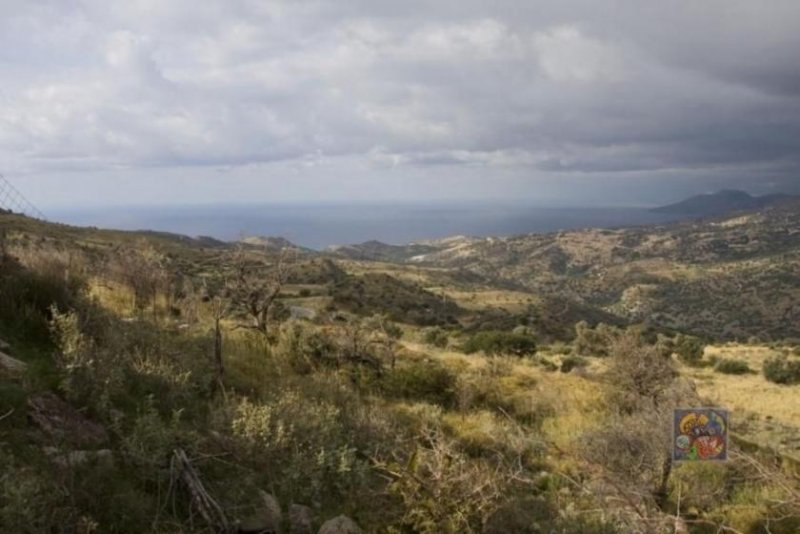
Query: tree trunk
{"x": 218, "y": 353}
{"x": 662, "y": 493}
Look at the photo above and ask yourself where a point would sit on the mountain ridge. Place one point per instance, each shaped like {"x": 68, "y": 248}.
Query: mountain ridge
{"x": 721, "y": 202}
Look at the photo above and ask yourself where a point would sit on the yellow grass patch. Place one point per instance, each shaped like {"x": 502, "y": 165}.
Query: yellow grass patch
{"x": 761, "y": 411}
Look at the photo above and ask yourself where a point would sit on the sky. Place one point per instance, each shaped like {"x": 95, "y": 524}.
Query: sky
{"x": 552, "y": 102}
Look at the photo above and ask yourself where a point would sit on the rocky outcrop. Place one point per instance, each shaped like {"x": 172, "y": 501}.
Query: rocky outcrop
{"x": 301, "y": 519}
{"x": 63, "y": 423}
{"x": 11, "y": 365}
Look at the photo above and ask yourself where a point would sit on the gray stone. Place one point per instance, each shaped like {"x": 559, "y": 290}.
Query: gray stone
{"x": 12, "y": 365}
{"x": 4, "y": 346}
{"x": 300, "y": 312}
{"x": 267, "y": 519}
{"x": 301, "y": 519}
{"x": 340, "y": 525}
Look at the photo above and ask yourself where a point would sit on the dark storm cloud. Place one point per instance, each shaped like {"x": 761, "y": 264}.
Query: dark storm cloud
{"x": 705, "y": 91}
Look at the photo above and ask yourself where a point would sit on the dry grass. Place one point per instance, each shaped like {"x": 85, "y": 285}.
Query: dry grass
{"x": 115, "y": 297}
{"x": 575, "y": 401}
{"x": 511, "y": 301}
{"x": 762, "y": 412}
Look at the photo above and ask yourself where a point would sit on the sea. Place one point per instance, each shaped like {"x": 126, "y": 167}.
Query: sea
{"x": 318, "y": 226}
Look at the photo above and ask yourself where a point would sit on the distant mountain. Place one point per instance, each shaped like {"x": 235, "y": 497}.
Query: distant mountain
{"x": 721, "y": 202}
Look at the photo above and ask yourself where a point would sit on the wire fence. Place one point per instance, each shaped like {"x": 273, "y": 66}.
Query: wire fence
{"x": 12, "y": 200}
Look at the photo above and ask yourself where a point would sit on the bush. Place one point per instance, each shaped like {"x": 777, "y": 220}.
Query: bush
{"x": 781, "y": 370}
{"x": 689, "y": 349}
{"x": 27, "y": 296}
{"x": 732, "y": 367}
{"x": 593, "y": 341}
{"x": 421, "y": 381}
{"x": 305, "y": 444}
{"x": 495, "y": 342}
{"x": 546, "y": 364}
{"x": 305, "y": 349}
{"x": 436, "y": 337}
{"x": 572, "y": 362}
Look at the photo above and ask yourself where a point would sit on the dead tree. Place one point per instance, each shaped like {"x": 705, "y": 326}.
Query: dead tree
{"x": 201, "y": 500}
{"x": 367, "y": 343}
{"x": 256, "y": 286}
{"x": 220, "y": 308}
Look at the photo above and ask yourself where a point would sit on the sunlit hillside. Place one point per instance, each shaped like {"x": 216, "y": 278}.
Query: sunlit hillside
{"x": 152, "y": 382}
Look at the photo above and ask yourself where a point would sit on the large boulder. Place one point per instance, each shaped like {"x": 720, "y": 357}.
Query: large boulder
{"x": 301, "y": 519}
{"x": 11, "y": 365}
{"x": 63, "y": 423}
{"x": 340, "y": 525}
{"x": 267, "y": 519}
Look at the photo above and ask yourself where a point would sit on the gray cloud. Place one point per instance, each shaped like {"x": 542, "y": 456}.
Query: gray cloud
{"x": 527, "y": 92}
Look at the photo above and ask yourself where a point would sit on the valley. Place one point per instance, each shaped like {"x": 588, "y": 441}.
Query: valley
{"x": 456, "y": 385}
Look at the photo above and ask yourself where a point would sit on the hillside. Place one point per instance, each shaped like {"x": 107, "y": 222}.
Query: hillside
{"x": 725, "y": 278}
{"x": 722, "y": 202}
{"x": 151, "y": 382}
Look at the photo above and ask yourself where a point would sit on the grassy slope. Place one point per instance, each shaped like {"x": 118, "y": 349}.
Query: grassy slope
{"x": 564, "y": 405}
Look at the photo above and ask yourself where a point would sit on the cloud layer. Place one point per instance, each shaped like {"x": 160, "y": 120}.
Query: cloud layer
{"x": 536, "y": 93}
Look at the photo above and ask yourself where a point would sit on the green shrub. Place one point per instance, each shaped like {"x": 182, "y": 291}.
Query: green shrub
{"x": 305, "y": 444}
{"x": 690, "y": 349}
{"x": 305, "y": 348}
{"x": 26, "y": 297}
{"x": 151, "y": 440}
{"x": 560, "y": 348}
{"x": 731, "y": 367}
{"x": 593, "y": 341}
{"x": 572, "y": 362}
{"x": 436, "y": 337}
{"x": 781, "y": 370}
{"x": 494, "y": 342}
{"x": 428, "y": 381}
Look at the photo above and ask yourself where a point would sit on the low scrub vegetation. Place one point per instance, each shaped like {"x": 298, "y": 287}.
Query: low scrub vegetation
{"x": 689, "y": 349}
{"x": 496, "y": 342}
{"x": 782, "y": 370}
{"x": 568, "y": 363}
{"x": 732, "y": 367}
{"x": 174, "y": 401}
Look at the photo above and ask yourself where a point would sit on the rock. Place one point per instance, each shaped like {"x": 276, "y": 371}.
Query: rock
{"x": 64, "y": 423}
{"x": 12, "y": 364}
{"x": 103, "y": 457}
{"x": 300, "y": 312}
{"x": 301, "y": 519}
{"x": 4, "y": 346}
{"x": 267, "y": 519}
{"x": 340, "y": 525}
